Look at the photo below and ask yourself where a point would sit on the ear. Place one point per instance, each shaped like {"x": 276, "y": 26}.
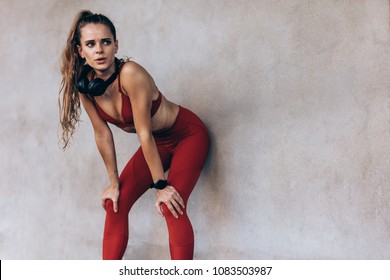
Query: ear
{"x": 116, "y": 46}
{"x": 80, "y": 50}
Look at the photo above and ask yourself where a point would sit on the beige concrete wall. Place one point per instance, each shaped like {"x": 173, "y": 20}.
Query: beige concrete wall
{"x": 295, "y": 94}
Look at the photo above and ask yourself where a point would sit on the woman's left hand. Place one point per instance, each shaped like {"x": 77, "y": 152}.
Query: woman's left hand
{"x": 111, "y": 192}
{"x": 172, "y": 199}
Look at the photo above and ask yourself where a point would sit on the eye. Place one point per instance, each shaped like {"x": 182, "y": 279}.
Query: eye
{"x": 89, "y": 44}
{"x": 107, "y": 42}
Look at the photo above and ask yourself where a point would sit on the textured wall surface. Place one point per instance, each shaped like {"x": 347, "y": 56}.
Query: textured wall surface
{"x": 296, "y": 97}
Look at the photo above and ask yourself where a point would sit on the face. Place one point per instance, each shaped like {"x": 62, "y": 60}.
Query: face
{"x": 98, "y": 47}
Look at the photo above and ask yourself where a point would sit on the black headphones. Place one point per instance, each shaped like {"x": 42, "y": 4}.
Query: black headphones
{"x": 97, "y": 86}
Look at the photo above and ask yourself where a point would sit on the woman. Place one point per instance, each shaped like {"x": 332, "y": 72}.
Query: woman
{"x": 123, "y": 93}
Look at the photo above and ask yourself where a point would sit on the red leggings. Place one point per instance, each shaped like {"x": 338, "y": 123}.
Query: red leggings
{"x": 183, "y": 150}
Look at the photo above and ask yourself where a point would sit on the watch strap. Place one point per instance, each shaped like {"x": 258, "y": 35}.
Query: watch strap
{"x": 160, "y": 184}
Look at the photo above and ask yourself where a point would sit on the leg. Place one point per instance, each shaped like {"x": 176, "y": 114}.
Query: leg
{"x": 134, "y": 181}
{"x": 187, "y": 163}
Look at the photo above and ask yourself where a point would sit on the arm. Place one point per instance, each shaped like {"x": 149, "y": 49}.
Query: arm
{"x": 138, "y": 84}
{"x": 105, "y": 144}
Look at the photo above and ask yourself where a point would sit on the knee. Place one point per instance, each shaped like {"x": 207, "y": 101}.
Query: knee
{"x": 169, "y": 217}
{"x": 109, "y": 206}
{"x": 167, "y": 212}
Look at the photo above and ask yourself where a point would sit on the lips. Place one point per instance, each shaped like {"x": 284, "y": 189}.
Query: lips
{"x": 100, "y": 60}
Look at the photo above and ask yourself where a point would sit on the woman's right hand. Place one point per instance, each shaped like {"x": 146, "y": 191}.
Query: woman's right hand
{"x": 172, "y": 199}
{"x": 111, "y": 192}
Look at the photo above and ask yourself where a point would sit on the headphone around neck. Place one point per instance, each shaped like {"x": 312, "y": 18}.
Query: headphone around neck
{"x": 98, "y": 86}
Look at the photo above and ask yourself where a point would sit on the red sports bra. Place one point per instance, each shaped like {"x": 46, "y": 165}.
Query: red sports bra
{"x": 127, "y": 113}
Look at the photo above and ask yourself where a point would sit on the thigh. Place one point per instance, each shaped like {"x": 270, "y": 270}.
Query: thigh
{"x": 188, "y": 160}
{"x": 136, "y": 178}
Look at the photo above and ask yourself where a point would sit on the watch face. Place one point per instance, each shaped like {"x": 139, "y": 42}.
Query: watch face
{"x": 161, "y": 184}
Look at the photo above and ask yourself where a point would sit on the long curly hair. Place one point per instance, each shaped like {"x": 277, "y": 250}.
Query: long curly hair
{"x": 71, "y": 67}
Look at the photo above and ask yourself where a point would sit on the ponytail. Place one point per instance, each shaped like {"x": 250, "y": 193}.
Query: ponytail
{"x": 71, "y": 67}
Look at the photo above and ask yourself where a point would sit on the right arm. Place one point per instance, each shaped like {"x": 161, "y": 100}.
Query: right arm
{"x": 105, "y": 144}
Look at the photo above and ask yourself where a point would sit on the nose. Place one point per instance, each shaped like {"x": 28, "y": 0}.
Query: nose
{"x": 99, "y": 48}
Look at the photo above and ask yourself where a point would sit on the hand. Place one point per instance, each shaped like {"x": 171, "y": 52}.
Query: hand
{"x": 172, "y": 199}
{"x": 111, "y": 192}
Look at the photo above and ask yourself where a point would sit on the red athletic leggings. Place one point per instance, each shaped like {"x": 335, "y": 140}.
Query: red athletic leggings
{"x": 183, "y": 150}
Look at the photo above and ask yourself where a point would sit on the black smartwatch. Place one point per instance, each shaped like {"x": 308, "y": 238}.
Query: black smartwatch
{"x": 160, "y": 184}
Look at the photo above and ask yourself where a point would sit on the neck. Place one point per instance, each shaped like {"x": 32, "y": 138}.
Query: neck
{"x": 105, "y": 74}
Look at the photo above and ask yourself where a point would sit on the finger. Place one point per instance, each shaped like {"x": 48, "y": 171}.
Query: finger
{"x": 115, "y": 205}
{"x": 177, "y": 207}
{"x": 159, "y": 209}
{"x": 104, "y": 203}
{"x": 172, "y": 210}
{"x": 180, "y": 200}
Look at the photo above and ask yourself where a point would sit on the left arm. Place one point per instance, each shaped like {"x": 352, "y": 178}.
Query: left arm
{"x": 138, "y": 84}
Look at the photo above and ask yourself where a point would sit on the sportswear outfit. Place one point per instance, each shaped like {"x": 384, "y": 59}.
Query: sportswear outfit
{"x": 183, "y": 149}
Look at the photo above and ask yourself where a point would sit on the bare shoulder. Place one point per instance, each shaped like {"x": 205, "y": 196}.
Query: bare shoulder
{"x": 133, "y": 69}
{"x": 135, "y": 76}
